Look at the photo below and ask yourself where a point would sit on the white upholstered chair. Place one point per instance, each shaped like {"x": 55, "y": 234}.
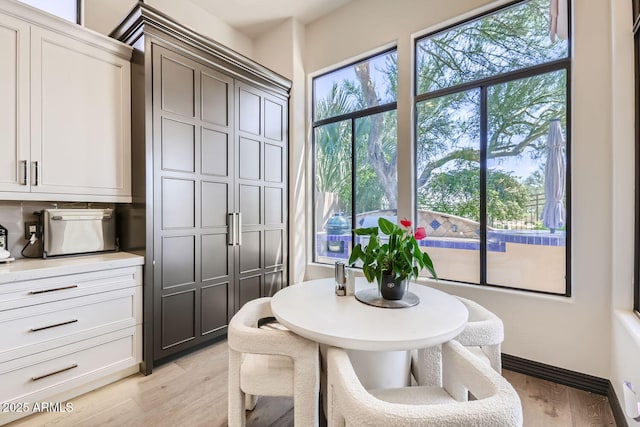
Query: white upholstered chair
{"x": 270, "y": 362}
{"x": 497, "y": 404}
{"x": 483, "y": 336}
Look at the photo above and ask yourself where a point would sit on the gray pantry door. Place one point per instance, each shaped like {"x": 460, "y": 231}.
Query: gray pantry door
{"x": 219, "y": 148}
{"x": 261, "y": 192}
{"x": 193, "y": 191}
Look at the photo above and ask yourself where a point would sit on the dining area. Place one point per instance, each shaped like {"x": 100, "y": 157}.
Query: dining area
{"x": 356, "y": 363}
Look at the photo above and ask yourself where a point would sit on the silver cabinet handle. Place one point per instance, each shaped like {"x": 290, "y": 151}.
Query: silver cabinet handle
{"x": 59, "y": 371}
{"x": 239, "y": 229}
{"x": 44, "y": 291}
{"x": 25, "y": 176}
{"x": 231, "y": 234}
{"x": 41, "y": 328}
{"x": 35, "y": 166}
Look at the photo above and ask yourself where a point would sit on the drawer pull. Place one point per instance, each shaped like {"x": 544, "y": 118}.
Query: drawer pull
{"x": 53, "y": 326}
{"x": 39, "y": 377}
{"x": 44, "y": 291}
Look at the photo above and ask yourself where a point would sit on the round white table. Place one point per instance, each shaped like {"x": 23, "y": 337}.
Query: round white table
{"x": 378, "y": 339}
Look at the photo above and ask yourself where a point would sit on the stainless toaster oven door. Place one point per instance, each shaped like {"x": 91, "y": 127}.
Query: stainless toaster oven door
{"x": 76, "y": 231}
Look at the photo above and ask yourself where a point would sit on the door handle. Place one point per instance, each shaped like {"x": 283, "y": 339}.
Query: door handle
{"x": 35, "y": 168}
{"x": 231, "y": 229}
{"x": 25, "y": 176}
{"x": 239, "y": 229}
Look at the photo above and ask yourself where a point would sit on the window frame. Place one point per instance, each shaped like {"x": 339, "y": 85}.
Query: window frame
{"x": 483, "y": 84}
{"x": 352, "y": 117}
{"x": 79, "y": 11}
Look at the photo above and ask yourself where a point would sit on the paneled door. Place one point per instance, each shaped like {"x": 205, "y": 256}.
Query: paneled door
{"x": 80, "y": 117}
{"x": 194, "y": 168}
{"x": 14, "y": 104}
{"x": 261, "y": 192}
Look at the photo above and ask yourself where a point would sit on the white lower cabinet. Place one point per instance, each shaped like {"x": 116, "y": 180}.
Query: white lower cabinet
{"x": 65, "y": 335}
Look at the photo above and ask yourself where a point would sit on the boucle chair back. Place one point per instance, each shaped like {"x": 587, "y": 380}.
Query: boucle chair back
{"x": 485, "y": 330}
{"x": 497, "y": 404}
{"x": 270, "y": 362}
{"x": 483, "y": 335}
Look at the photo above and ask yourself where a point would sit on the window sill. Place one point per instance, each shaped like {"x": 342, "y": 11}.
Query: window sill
{"x": 630, "y": 322}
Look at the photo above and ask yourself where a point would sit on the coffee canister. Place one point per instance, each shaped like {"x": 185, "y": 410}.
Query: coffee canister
{"x": 341, "y": 278}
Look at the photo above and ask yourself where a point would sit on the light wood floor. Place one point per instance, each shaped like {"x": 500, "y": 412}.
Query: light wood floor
{"x": 192, "y": 391}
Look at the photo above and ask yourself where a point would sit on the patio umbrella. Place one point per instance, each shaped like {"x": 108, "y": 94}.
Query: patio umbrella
{"x": 554, "y": 213}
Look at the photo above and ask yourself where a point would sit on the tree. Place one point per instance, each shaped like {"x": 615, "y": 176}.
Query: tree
{"x": 448, "y": 127}
{"x": 519, "y": 111}
{"x": 333, "y": 149}
{"x": 383, "y": 161}
{"x": 375, "y": 135}
{"x": 458, "y": 192}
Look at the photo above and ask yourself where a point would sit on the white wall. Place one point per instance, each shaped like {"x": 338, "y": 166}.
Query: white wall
{"x": 571, "y": 333}
{"x": 625, "y": 325}
{"x": 104, "y": 15}
{"x": 281, "y": 50}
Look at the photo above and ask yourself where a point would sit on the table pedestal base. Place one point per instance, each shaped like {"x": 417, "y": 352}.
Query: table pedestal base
{"x": 382, "y": 369}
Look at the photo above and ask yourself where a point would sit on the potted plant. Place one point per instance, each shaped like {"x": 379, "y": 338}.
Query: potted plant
{"x": 394, "y": 263}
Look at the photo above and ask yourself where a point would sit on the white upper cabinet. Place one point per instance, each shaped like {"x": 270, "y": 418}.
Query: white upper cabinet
{"x": 14, "y": 103}
{"x": 65, "y": 108}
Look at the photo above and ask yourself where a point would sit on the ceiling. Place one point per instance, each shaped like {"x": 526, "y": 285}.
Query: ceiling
{"x": 255, "y": 17}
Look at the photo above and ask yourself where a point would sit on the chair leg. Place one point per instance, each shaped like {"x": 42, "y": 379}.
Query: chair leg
{"x": 305, "y": 396}
{"x": 236, "y": 416}
{"x": 334, "y": 418}
{"x": 426, "y": 366}
{"x": 250, "y": 401}
{"x": 323, "y": 377}
{"x": 493, "y": 353}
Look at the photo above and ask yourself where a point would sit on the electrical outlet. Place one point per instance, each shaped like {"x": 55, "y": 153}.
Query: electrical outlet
{"x": 29, "y": 229}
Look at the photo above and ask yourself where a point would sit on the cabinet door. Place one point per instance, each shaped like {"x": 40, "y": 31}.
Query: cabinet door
{"x": 261, "y": 192}
{"x": 80, "y": 111}
{"x": 14, "y": 103}
{"x": 192, "y": 191}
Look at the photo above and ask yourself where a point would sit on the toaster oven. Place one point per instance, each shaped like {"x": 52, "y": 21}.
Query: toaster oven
{"x": 78, "y": 231}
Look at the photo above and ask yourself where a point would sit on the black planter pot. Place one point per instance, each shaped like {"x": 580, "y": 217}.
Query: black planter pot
{"x": 392, "y": 289}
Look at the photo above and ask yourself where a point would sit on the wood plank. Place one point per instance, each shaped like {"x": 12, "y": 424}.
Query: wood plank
{"x": 192, "y": 391}
{"x": 544, "y": 404}
{"x": 589, "y": 409}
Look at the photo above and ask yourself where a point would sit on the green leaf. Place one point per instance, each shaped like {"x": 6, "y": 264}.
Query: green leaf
{"x": 369, "y": 273}
{"x": 429, "y": 264}
{"x": 370, "y": 231}
{"x": 356, "y": 254}
{"x": 387, "y": 227}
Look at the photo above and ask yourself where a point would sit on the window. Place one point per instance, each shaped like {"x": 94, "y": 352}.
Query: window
{"x": 355, "y": 151}
{"x": 65, "y": 9}
{"x": 492, "y": 150}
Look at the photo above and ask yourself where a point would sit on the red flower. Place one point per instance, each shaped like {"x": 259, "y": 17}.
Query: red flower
{"x": 420, "y": 233}
{"x": 405, "y": 223}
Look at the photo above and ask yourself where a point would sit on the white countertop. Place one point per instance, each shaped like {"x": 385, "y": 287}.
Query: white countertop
{"x": 29, "y": 269}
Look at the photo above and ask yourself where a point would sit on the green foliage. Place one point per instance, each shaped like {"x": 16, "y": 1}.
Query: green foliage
{"x": 448, "y": 127}
{"x": 510, "y": 39}
{"x": 400, "y": 256}
{"x": 458, "y": 192}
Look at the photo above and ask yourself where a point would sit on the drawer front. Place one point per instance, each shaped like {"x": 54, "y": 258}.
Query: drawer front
{"x": 37, "y": 328}
{"x": 66, "y": 367}
{"x": 31, "y": 292}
